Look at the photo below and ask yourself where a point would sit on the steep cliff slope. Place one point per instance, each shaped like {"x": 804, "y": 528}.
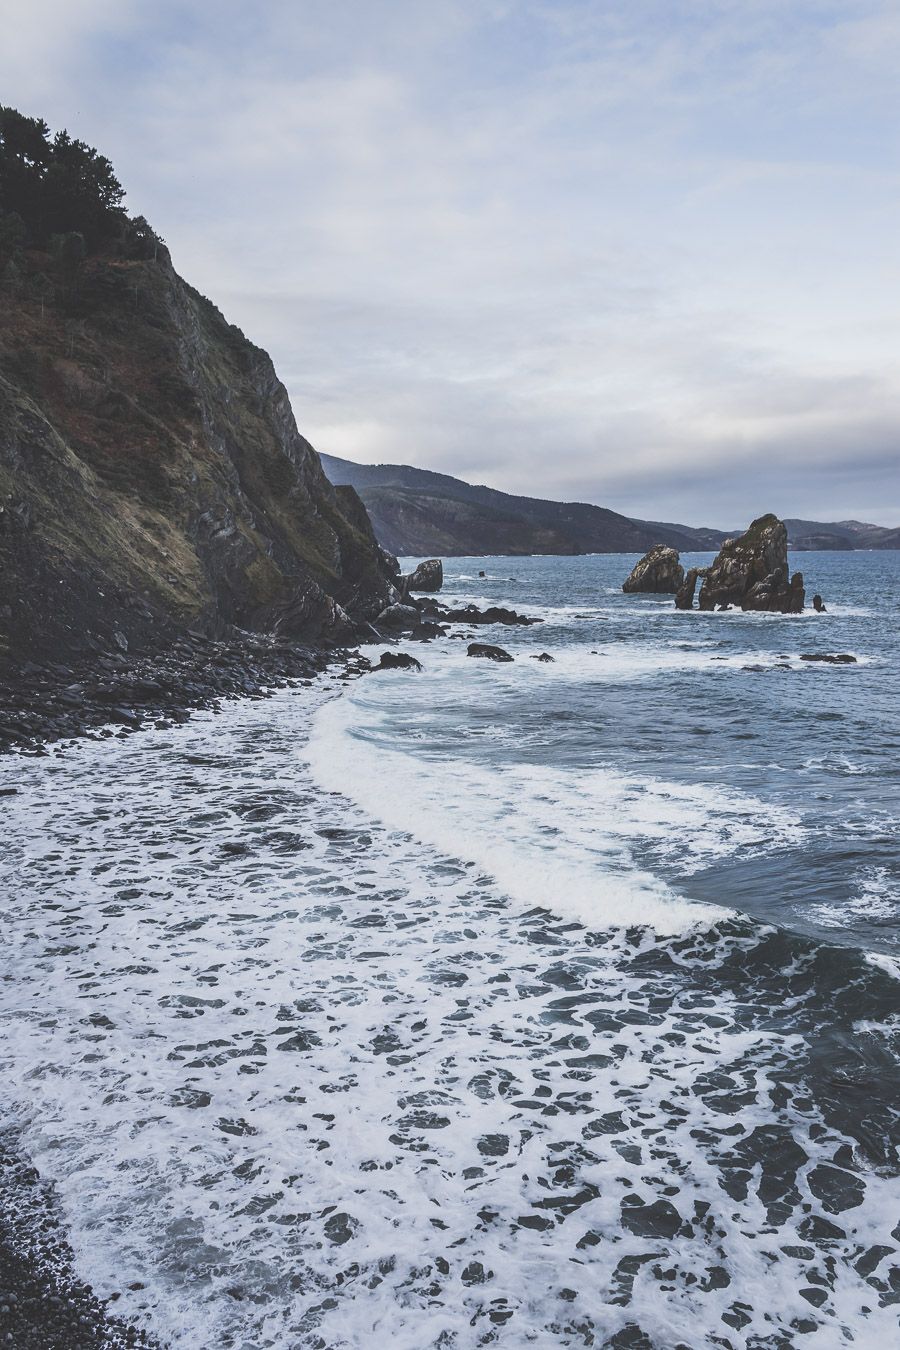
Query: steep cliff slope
{"x": 152, "y": 476}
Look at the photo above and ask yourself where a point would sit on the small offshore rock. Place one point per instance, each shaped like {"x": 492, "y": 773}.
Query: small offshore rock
{"x": 428, "y": 576}
{"x": 659, "y": 572}
{"x": 484, "y": 649}
{"x": 819, "y": 604}
{"x": 397, "y": 661}
{"x": 543, "y": 656}
{"x": 832, "y": 658}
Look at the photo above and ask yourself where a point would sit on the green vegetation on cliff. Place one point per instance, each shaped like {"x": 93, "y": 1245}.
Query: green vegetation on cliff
{"x": 151, "y": 472}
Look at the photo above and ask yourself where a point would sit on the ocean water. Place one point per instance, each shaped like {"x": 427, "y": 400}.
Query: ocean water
{"x": 530, "y": 1004}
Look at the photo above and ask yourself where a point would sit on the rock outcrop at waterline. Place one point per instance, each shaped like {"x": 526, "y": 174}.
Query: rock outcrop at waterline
{"x": 659, "y": 572}
{"x": 428, "y": 576}
{"x": 684, "y": 596}
{"x": 488, "y": 652}
{"x": 152, "y": 477}
{"x": 751, "y": 571}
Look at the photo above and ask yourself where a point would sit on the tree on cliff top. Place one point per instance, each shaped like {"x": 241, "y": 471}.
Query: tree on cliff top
{"x": 56, "y": 185}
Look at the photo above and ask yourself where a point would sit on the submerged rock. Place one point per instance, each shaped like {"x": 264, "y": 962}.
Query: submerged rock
{"x": 659, "y": 572}
{"x": 397, "y": 662}
{"x": 751, "y": 571}
{"x": 428, "y": 576}
{"x": 543, "y": 656}
{"x": 831, "y": 658}
{"x": 486, "y": 650}
{"x": 493, "y": 614}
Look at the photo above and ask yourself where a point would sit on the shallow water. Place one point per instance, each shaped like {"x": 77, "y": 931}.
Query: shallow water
{"x": 534, "y": 1004}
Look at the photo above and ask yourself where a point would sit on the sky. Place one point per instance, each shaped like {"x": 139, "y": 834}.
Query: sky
{"x": 642, "y": 253}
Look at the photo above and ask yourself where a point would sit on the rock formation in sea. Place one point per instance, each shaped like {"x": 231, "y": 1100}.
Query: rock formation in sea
{"x": 152, "y": 477}
{"x": 428, "y": 576}
{"x": 659, "y": 572}
{"x": 751, "y": 571}
{"x": 684, "y": 596}
{"x": 397, "y": 661}
{"x": 487, "y": 651}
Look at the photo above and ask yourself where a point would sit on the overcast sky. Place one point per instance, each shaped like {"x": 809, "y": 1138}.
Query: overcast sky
{"x": 643, "y": 253}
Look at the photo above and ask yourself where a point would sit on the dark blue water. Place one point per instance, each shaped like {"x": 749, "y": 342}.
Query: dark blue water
{"x": 719, "y": 703}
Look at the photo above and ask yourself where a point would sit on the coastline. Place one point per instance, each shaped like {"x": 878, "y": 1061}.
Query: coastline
{"x": 409, "y": 1004}
{"x": 41, "y": 1293}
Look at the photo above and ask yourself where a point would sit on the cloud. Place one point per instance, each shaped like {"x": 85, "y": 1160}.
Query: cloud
{"x": 640, "y": 254}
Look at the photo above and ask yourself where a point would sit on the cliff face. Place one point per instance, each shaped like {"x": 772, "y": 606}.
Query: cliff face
{"x": 152, "y": 476}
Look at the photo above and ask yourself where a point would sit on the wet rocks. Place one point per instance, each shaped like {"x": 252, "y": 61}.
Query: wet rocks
{"x": 397, "y": 661}
{"x": 659, "y": 572}
{"x": 751, "y": 571}
{"x": 488, "y": 652}
{"x": 818, "y": 604}
{"x": 428, "y": 576}
{"x": 776, "y": 593}
{"x": 684, "y": 596}
{"x": 399, "y": 617}
{"x": 493, "y": 614}
{"x": 48, "y": 702}
{"x": 543, "y": 656}
{"x": 830, "y": 658}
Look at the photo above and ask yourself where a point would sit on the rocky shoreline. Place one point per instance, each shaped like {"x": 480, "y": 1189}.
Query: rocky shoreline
{"x": 43, "y": 1304}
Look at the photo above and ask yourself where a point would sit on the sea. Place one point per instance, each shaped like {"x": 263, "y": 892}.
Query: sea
{"x": 535, "y": 1003}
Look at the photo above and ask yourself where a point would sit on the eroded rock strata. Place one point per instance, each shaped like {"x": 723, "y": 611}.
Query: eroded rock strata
{"x": 152, "y": 476}
{"x": 751, "y": 571}
{"x": 659, "y": 572}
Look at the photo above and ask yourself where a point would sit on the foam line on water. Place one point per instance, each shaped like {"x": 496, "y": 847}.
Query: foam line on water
{"x": 507, "y": 822}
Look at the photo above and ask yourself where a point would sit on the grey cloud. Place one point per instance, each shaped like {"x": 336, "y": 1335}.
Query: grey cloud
{"x": 639, "y": 255}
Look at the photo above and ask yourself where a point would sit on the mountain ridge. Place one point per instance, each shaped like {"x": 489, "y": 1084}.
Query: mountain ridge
{"x": 417, "y": 512}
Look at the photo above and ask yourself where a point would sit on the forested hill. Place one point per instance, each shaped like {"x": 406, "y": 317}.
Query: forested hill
{"x": 415, "y": 511}
{"x": 152, "y": 476}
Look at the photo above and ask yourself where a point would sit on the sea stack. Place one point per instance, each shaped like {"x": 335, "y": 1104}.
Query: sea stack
{"x": 659, "y": 572}
{"x": 428, "y": 576}
{"x": 751, "y": 571}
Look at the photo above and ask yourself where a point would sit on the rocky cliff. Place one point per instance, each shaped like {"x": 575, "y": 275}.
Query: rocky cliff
{"x": 152, "y": 477}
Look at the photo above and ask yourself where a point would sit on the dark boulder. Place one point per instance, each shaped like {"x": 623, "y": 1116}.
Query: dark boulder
{"x": 659, "y": 572}
{"x": 485, "y": 650}
{"x": 428, "y": 576}
{"x": 424, "y": 632}
{"x": 399, "y": 617}
{"x": 543, "y": 656}
{"x": 493, "y": 614}
{"x": 818, "y": 604}
{"x": 751, "y": 571}
{"x": 397, "y": 661}
{"x": 831, "y": 658}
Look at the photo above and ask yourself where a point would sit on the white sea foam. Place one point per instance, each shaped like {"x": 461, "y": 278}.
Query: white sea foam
{"x": 877, "y": 898}
{"x": 563, "y": 839}
{"x": 306, "y": 1081}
